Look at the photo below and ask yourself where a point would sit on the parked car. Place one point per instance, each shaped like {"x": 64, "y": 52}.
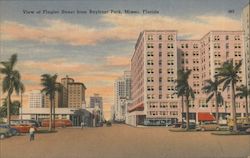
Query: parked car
{"x": 209, "y": 126}
{"x": 22, "y": 128}
{"x": 4, "y": 132}
{"x": 12, "y": 131}
{"x": 108, "y": 124}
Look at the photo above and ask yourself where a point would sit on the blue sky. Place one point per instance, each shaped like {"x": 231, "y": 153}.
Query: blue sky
{"x": 96, "y": 49}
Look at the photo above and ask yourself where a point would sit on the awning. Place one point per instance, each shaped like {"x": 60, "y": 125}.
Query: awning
{"x": 205, "y": 117}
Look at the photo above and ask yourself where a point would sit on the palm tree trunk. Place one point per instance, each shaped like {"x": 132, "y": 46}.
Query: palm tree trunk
{"x": 216, "y": 108}
{"x": 8, "y": 109}
{"x": 50, "y": 114}
{"x": 182, "y": 107}
{"x": 187, "y": 113}
{"x": 54, "y": 115}
{"x": 234, "y": 108}
{"x": 21, "y": 106}
{"x": 247, "y": 107}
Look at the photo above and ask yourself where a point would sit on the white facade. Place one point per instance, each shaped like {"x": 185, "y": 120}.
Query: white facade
{"x": 43, "y": 113}
{"x": 245, "y": 18}
{"x": 36, "y": 99}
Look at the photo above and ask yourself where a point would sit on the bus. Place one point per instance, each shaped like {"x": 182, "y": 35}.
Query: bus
{"x": 25, "y": 122}
{"x": 58, "y": 123}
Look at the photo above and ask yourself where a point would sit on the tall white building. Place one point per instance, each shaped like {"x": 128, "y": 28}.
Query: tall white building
{"x": 122, "y": 95}
{"x": 36, "y": 99}
{"x": 245, "y": 18}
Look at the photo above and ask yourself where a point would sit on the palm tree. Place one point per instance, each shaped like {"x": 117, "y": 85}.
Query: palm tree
{"x": 14, "y": 108}
{"x": 22, "y": 89}
{"x": 50, "y": 87}
{"x": 212, "y": 89}
{"x": 183, "y": 89}
{"x": 243, "y": 92}
{"x": 229, "y": 75}
{"x": 11, "y": 81}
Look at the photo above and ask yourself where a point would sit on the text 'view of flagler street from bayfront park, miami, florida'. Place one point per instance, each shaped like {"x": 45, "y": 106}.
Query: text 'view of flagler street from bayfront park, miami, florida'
{"x": 123, "y": 78}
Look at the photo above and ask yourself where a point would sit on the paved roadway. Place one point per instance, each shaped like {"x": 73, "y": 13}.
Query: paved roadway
{"x": 122, "y": 141}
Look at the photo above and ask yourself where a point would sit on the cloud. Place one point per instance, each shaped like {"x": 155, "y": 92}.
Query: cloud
{"x": 118, "y": 60}
{"x": 123, "y": 27}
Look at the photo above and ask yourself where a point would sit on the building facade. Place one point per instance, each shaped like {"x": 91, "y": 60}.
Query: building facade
{"x": 246, "y": 28}
{"x": 122, "y": 96}
{"x": 96, "y": 102}
{"x": 153, "y": 72}
{"x": 36, "y": 99}
{"x": 157, "y": 57}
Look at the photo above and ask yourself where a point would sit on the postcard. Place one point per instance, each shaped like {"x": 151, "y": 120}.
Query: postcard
{"x": 124, "y": 79}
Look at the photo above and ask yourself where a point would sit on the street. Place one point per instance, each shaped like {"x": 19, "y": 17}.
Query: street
{"x": 122, "y": 141}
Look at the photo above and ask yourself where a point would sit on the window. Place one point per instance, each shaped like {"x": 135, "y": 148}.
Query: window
{"x": 160, "y": 71}
{"x": 160, "y": 54}
{"x": 160, "y": 62}
{"x": 237, "y": 38}
{"x": 216, "y": 45}
{"x": 170, "y": 37}
{"x": 227, "y": 37}
{"x": 150, "y": 37}
{"x": 195, "y": 45}
{"x": 160, "y": 37}
{"x": 217, "y": 38}
{"x": 150, "y": 54}
{"x": 150, "y": 45}
{"x": 150, "y": 62}
{"x": 160, "y": 45}
{"x": 186, "y": 45}
{"x": 160, "y": 79}
{"x": 227, "y": 45}
{"x": 170, "y": 45}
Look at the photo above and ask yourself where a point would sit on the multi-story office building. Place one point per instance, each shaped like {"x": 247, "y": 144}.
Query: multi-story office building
{"x": 57, "y": 99}
{"x": 203, "y": 57}
{"x": 72, "y": 95}
{"x": 76, "y": 95}
{"x": 36, "y": 99}
{"x": 157, "y": 57}
{"x": 246, "y": 28}
{"x": 153, "y": 72}
{"x": 122, "y": 96}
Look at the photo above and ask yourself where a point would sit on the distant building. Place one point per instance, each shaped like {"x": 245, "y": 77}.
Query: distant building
{"x": 72, "y": 94}
{"x": 36, "y": 99}
{"x": 57, "y": 99}
{"x": 96, "y": 102}
{"x": 122, "y": 96}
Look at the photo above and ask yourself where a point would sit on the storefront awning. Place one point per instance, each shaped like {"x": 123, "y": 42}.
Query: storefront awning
{"x": 205, "y": 117}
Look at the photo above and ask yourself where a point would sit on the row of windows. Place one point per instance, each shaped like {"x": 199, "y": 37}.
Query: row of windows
{"x": 186, "y": 45}
{"x": 217, "y": 38}
{"x": 169, "y": 37}
{"x": 168, "y": 96}
{"x": 174, "y": 113}
{"x": 151, "y": 79}
{"x": 151, "y": 45}
{"x": 217, "y": 45}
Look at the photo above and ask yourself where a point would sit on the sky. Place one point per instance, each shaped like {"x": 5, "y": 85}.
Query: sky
{"x": 95, "y": 49}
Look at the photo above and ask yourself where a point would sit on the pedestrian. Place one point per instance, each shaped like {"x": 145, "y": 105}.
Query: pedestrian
{"x": 82, "y": 124}
{"x": 32, "y": 133}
